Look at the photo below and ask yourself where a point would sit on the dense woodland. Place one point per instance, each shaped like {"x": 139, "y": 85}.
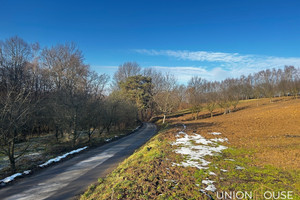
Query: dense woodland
{"x": 52, "y": 90}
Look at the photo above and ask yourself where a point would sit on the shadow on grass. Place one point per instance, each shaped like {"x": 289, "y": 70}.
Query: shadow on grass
{"x": 215, "y": 114}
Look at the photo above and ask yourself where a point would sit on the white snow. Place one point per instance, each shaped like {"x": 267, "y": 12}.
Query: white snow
{"x": 196, "y": 153}
{"x": 10, "y": 178}
{"x": 239, "y": 167}
{"x": 211, "y": 188}
{"x": 27, "y": 172}
{"x": 219, "y": 139}
{"x": 210, "y": 185}
{"x": 136, "y": 128}
{"x": 108, "y": 139}
{"x": 207, "y": 182}
{"x": 215, "y": 133}
{"x": 212, "y": 173}
{"x": 170, "y": 180}
{"x": 58, "y": 158}
{"x": 223, "y": 170}
{"x": 195, "y": 148}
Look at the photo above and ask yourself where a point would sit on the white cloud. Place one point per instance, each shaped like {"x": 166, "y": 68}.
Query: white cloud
{"x": 184, "y": 73}
{"x": 219, "y": 65}
{"x": 197, "y": 55}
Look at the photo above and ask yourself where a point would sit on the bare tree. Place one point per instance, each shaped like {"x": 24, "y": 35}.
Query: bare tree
{"x": 69, "y": 75}
{"x": 124, "y": 71}
{"x": 196, "y": 89}
{"x": 164, "y": 94}
{"x": 15, "y": 98}
{"x": 211, "y": 97}
{"x": 16, "y": 108}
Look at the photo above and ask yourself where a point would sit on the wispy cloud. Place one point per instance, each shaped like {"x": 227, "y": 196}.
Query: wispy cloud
{"x": 218, "y": 65}
{"x": 184, "y": 73}
{"x": 197, "y": 55}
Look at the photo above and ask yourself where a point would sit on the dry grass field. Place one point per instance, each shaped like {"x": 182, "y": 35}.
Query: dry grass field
{"x": 272, "y": 130}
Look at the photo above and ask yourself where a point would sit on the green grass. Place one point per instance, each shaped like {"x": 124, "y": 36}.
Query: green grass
{"x": 149, "y": 174}
{"x": 251, "y": 177}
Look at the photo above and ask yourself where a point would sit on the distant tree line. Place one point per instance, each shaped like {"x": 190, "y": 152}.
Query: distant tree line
{"x": 156, "y": 93}
{"x": 227, "y": 93}
{"x": 52, "y": 90}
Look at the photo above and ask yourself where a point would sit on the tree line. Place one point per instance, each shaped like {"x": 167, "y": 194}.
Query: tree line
{"x": 52, "y": 90}
{"x": 156, "y": 93}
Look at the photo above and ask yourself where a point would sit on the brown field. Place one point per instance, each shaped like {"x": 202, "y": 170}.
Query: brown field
{"x": 272, "y": 130}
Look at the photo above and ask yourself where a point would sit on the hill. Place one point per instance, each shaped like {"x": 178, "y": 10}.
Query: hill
{"x": 257, "y": 146}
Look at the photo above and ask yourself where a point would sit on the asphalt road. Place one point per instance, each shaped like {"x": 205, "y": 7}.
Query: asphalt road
{"x": 72, "y": 177}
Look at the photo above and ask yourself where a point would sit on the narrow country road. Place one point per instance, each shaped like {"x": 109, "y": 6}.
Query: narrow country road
{"x": 72, "y": 177}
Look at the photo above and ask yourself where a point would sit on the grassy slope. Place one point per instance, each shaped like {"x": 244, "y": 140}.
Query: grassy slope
{"x": 149, "y": 174}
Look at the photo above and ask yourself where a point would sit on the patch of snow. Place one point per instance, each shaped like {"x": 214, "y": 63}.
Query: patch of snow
{"x": 207, "y": 182}
{"x": 34, "y": 154}
{"x": 136, "y": 128}
{"x": 239, "y": 167}
{"x": 195, "y": 148}
{"x": 215, "y": 133}
{"x": 219, "y": 139}
{"x": 27, "y": 172}
{"x": 230, "y": 159}
{"x": 210, "y": 185}
{"x": 223, "y": 170}
{"x": 108, "y": 139}
{"x": 211, "y": 188}
{"x": 212, "y": 173}
{"x": 59, "y": 158}
{"x": 170, "y": 180}
{"x": 180, "y": 133}
{"x": 10, "y": 178}
{"x": 196, "y": 153}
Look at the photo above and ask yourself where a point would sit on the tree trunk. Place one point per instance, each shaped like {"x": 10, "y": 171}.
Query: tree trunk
{"x": 75, "y": 130}
{"x": 100, "y": 132}
{"x": 12, "y": 156}
{"x": 61, "y": 133}
{"x": 164, "y": 119}
{"x": 142, "y": 115}
{"x": 89, "y": 136}
{"x": 197, "y": 114}
{"x": 211, "y": 114}
{"x": 56, "y": 133}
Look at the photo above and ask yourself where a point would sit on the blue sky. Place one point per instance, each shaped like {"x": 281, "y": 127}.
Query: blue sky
{"x": 214, "y": 39}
